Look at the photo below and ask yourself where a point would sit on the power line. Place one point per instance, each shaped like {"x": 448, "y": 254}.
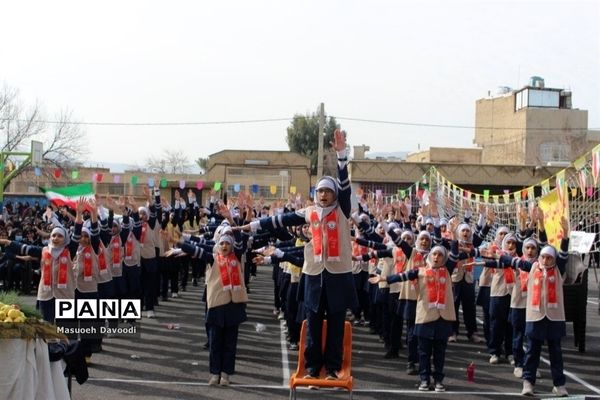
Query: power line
{"x": 266, "y": 120}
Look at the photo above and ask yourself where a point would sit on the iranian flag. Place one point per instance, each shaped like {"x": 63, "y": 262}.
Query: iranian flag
{"x": 68, "y": 195}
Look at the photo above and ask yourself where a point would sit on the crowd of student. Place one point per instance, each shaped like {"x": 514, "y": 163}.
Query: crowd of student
{"x": 400, "y": 273}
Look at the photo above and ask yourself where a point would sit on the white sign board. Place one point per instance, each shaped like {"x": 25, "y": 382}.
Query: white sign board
{"x": 37, "y": 153}
{"x": 581, "y": 242}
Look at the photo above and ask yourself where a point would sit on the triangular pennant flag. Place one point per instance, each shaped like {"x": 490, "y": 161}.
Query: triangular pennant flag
{"x": 530, "y": 193}
{"x": 134, "y": 179}
{"x": 163, "y": 183}
{"x": 236, "y": 187}
{"x": 57, "y": 173}
{"x": 579, "y": 163}
{"x": 595, "y": 164}
{"x": 545, "y": 186}
{"x": 217, "y": 186}
{"x": 590, "y": 191}
{"x": 477, "y": 197}
{"x": 496, "y": 198}
{"x": 254, "y": 188}
{"x": 116, "y": 178}
{"x": 523, "y": 194}
{"x": 574, "y": 192}
{"x": 151, "y": 182}
{"x": 182, "y": 184}
{"x": 582, "y": 179}
{"x": 560, "y": 185}
{"x": 486, "y": 195}
{"x": 402, "y": 193}
{"x": 293, "y": 189}
{"x": 38, "y": 171}
{"x": 99, "y": 177}
{"x": 506, "y": 198}
{"x": 199, "y": 184}
{"x": 74, "y": 174}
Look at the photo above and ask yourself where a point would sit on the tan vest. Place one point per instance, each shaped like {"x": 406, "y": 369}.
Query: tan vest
{"x": 518, "y": 298}
{"x": 92, "y": 285}
{"x": 485, "y": 279}
{"x": 426, "y": 314}
{"x": 104, "y": 275}
{"x": 385, "y": 266}
{"x": 55, "y": 292}
{"x": 553, "y": 314}
{"x": 134, "y": 261}
{"x": 215, "y": 294}
{"x": 460, "y": 272}
{"x": 335, "y": 267}
{"x": 408, "y": 289}
{"x": 499, "y": 288}
{"x": 151, "y": 240}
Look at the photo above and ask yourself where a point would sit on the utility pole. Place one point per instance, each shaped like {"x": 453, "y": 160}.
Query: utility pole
{"x": 321, "y": 130}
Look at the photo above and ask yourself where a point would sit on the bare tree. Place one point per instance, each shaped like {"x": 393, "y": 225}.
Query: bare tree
{"x": 169, "y": 162}
{"x": 64, "y": 140}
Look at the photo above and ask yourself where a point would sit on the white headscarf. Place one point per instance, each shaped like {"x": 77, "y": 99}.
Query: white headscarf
{"x": 439, "y": 249}
{"x": 326, "y": 182}
{"x": 55, "y": 251}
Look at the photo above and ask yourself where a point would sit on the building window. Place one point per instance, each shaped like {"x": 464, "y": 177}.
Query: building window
{"x": 554, "y": 151}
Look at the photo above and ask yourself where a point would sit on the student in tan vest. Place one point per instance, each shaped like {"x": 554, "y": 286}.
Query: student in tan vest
{"x": 435, "y": 313}
{"x": 545, "y": 311}
{"x": 329, "y": 285}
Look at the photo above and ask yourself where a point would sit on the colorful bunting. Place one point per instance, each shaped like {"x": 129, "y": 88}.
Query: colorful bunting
{"x": 163, "y": 183}
{"x": 293, "y": 189}
{"x": 545, "y": 187}
{"x": 74, "y": 174}
{"x": 217, "y": 186}
{"x": 116, "y": 178}
{"x": 273, "y": 189}
{"x": 596, "y": 164}
{"x": 199, "y": 184}
{"x": 582, "y": 179}
{"x": 236, "y": 187}
{"x": 57, "y": 173}
{"x": 182, "y": 184}
{"x": 134, "y": 179}
{"x": 38, "y": 171}
{"x": 486, "y": 195}
{"x": 255, "y": 188}
{"x": 560, "y": 185}
{"x": 151, "y": 182}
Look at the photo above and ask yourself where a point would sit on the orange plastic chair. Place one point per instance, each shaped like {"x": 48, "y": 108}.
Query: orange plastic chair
{"x": 344, "y": 380}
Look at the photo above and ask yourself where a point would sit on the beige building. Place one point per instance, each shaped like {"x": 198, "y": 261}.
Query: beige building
{"x": 236, "y": 170}
{"x": 534, "y": 125}
{"x": 273, "y": 172}
{"x": 446, "y": 155}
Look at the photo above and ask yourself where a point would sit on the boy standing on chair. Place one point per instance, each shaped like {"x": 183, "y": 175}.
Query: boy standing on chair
{"x": 329, "y": 284}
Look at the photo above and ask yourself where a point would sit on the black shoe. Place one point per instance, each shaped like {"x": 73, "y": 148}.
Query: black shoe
{"x": 331, "y": 376}
{"x": 411, "y": 369}
{"x": 311, "y": 374}
{"x": 183, "y": 289}
{"x": 194, "y": 282}
{"x": 205, "y": 346}
{"x": 164, "y": 298}
{"x": 391, "y": 354}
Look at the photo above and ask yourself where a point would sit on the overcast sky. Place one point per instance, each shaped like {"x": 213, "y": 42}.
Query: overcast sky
{"x": 195, "y": 61}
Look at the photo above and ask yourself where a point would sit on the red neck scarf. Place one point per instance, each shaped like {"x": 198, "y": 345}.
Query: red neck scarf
{"x": 115, "y": 248}
{"x": 437, "y": 279}
{"x": 88, "y": 262}
{"x": 358, "y": 250}
{"x": 144, "y": 230}
{"x": 129, "y": 247}
{"x": 63, "y": 267}
{"x": 102, "y": 266}
{"x": 400, "y": 261}
{"x": 229, "y": 268}
{"x": 325, "y": 230}
{"x": 549, "y": 275}
{"x": 509, "y": 274}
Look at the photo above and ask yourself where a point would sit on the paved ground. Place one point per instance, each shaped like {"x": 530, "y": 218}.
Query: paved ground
{"x": 170, "y": 364}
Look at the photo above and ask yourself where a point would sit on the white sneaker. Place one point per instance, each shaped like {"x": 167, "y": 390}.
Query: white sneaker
{"x": 511, "y": 360}
{"x": 518, "y": 372}
{"x": 224, "y": 379}
{"x": 275, "y": 311}
{"x": 453, "y": 338}
{"x": 174, "y": 295}
{"x": 281, "y": 315}
{"x": 527, "y": 388}
{"x": 475, "y": 338}
{"x": 150, "y": 314}
{"x": 213, "y": 380}
{"x": 560, "y": 391}
{"x": 494, "y": 359}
